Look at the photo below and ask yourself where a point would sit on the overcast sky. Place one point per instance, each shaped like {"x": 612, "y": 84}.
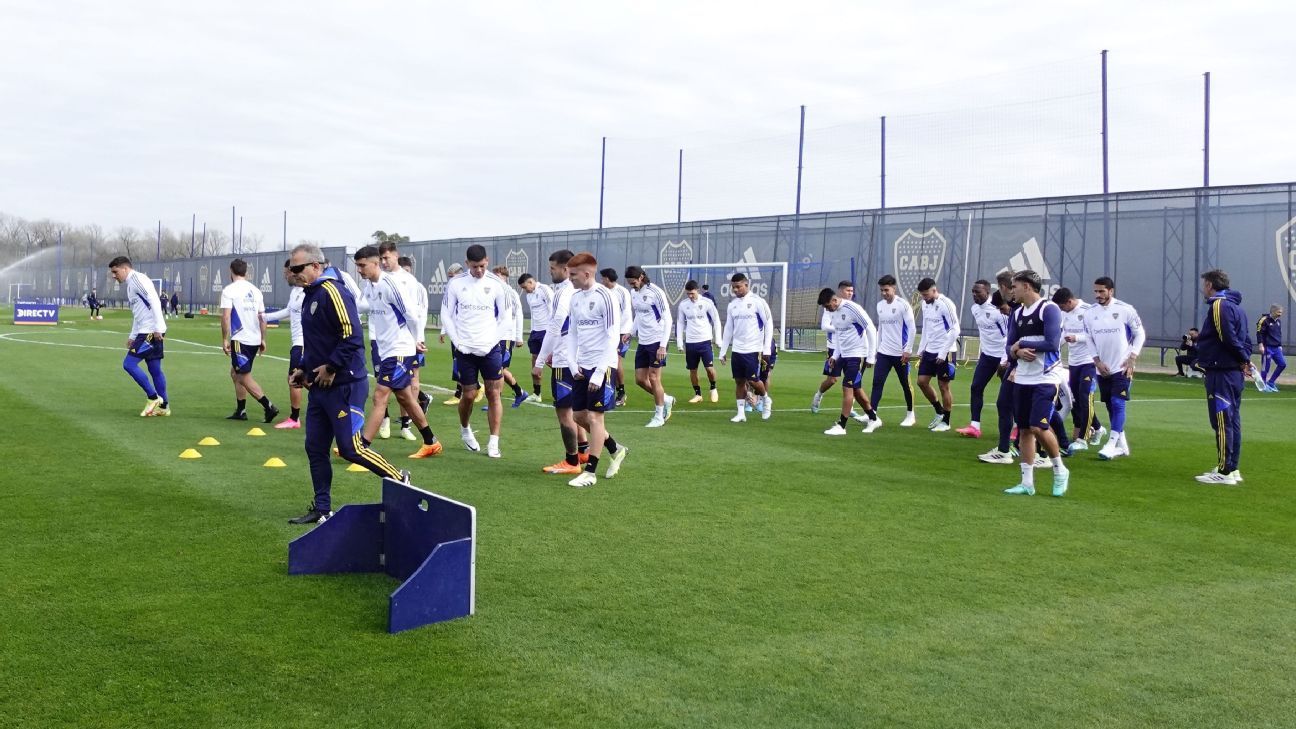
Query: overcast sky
{"x": 457, "y": 119}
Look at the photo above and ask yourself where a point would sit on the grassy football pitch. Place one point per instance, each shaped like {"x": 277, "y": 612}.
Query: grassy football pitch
{"x": 756, "y": 575}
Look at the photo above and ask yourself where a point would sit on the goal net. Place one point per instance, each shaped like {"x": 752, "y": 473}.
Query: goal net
{"x": 769, "y": 279}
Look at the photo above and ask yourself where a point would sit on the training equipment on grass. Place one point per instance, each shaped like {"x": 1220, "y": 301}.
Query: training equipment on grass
{"x": 190, "y": 453}
{"x": 274, "y": 462}
{"x": 357, "y": 468}
{"x": 425, "y": 540}
{"x": 256, "y": 432}
{"x": 209, "y": 441}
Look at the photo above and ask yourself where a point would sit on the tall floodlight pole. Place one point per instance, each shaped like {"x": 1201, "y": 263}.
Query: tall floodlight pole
{"x": 1107, "y": 262}
{"x": 240, "y": 234}
{"x": 883, "y": 206}
{"x": 203, "y": 249}
{"x": 193, "y": 233}
{"x": 1206, "y": 132}
{"x": 60, "y": 266}
{"x": 159, "y": 241}
{"x": 285, "y": 231}
{"x": 602, "y": 180}
{"x": 679, "y": 191}
{"x": 233, "y": 229}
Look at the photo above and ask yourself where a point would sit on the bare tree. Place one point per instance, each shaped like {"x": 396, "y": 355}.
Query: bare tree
{"x": 127, "y": 241}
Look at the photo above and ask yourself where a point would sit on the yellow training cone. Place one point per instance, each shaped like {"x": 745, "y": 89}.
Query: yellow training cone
{"x": 274, "y": 463}
{"x": 190, "y": 453}
{"x": 208, "y": 441}
{"x": 256, "y": 431}
{"x": 357, "y": 468}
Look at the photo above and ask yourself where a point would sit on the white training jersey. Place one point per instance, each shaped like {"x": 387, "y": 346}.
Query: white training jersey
{"x": 391, "y": 323}
{"x": 292, "y": 312}
{"x": 856, "y": 335}
{"x": 511, "y": 326}
{"x": 246, "y": 304}
{"x": 595, "y": 331}
{"x": 1042, "y": 370}
{"x": 748, "y": 326}
{"x": 146, "y": 307}
{"x": 540, "y": 302}
{"x": 1115, "y": 332}
{"x": 698, "y": 321}
{"x": 1078, "y": 352}
{"x": 825, "y": 323}
{"x": 652, "y": 315}
{"x": 992, "y": 329}
{"x": 471, "y": 311}
{"x": 555, "y": 341}
{"x": 625, "y": 301}
{"x": 896, "y": 331}
{"x": 940, "y": 326}
{"x": 415, "y": 297}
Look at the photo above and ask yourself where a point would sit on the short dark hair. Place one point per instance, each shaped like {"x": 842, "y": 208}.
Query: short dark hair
{"x": 997, "y": 298}
{"x": 826, "y": 295}
{"x": 635, "y": 272}
{"x": 1004, "y": 278}
{"x": 691, "y": 285}
{"x": 1105, "y": 282}
{"x": 887, "y": 280}
{"x": 476, "y": 253}
{"x": 238, "y": 267}
{"x": 387, "y": 246}
{"x": 1192, "y": 329}
{"x": 1216, "y": 278}
{"x": 524, "y": 278}
{"x": 287, "y": 262}
{"x": 738, "y": 277}
{"x": 119, "y": 261}
{"x": 843, "y": 284}
{"x": 1062, "y": 295}
{"x": 405, "y": 261}
{"x": 367, "y": 252}
{"x": 561, "y": 257}
{"x": 1029, "y": 277}
{"x": 706, "y": 287}
{"x": 926, "y": 284}
{"x": 609, "y": 274}
{"x": 982, "y": 282}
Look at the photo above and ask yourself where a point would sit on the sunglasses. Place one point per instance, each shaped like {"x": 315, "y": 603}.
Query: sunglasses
{"x": 301, "y": 266}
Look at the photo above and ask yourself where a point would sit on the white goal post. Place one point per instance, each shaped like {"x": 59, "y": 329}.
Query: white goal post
{"x": 672, "y": 277}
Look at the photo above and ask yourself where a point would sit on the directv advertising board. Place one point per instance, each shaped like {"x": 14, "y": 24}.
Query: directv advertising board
{"x": 31, "y": 312}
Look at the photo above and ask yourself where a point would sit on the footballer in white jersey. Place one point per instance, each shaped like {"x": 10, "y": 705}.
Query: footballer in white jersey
{"x": 476, "y": 302}
{"x": 1082, "y": 374}
{"x": 832, "y": 368}
{"x": 145, "y": 343}
{"x": 243, "y": 338}
{"x": 510, "y": 336}
{"x": 562, "y": 383}
{"x": 992, "y": 332}
{"x": 697, "y": 326}
{"x": 395, "y": 330}
{"x": 415, "y": 297}
{"x": 856, "y": 340}
{"x": 652, "y": 327}
{"x": 292, "y": 312}
{"x": 624, "y": 301}
{"x": 1116, "y": 337}
{"x": 595, "y": 333}
{"x": 897, "y": 340}
{"x": 939, "y": 338}
{"x": 539, "y": 298}
{"x": 749, "y": 329}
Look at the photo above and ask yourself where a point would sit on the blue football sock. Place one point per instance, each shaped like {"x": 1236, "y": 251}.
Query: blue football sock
{"x": 1118, "y": 415}
{"x": 131, "y": 365}
{"x": 159, "y": 379}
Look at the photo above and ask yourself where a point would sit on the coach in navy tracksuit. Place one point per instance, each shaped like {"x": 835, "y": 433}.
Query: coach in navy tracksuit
{"x": 333, "y": 369}
{"x": 1224, "y": 351}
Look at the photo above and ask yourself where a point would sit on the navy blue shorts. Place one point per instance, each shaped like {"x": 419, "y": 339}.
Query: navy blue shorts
{"x": 374, "y": 360}
{"x": 506, "y": 353}
{"x": 535, "y": 342}
{"x": 767, "y": 363}
{"x": 242, "y": 356}
{"x": 146, "y": 347}
{"x": 745, "y": 366}
{"x": 419, "y": 360}
{"x": 832, "y": 367}
{"x": 561, "y": 386}
{"x": 698, "y": 352}
{"x": 852, "y": 372}
{"x": 294, "y": 358}
{"x": 646, "y": 357}
{"x": 929, "y": 367}
{"x": 600, "y": 401}
{"x": 1115, "y": 385}
{"x": 468, "y": 366}
{"x": 396, "y": 373}
{"x": 1033, "y": 405}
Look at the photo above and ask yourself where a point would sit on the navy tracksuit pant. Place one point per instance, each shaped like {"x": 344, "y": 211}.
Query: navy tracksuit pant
{"x": 1224, "y": 404}
{"x": 336, "y": 414}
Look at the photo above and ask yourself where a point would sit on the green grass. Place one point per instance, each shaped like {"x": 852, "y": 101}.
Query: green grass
{"x": 760, "y": 575}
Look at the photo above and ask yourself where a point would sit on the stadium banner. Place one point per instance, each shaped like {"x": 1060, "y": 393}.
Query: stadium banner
{"x": 35, "y": 313}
